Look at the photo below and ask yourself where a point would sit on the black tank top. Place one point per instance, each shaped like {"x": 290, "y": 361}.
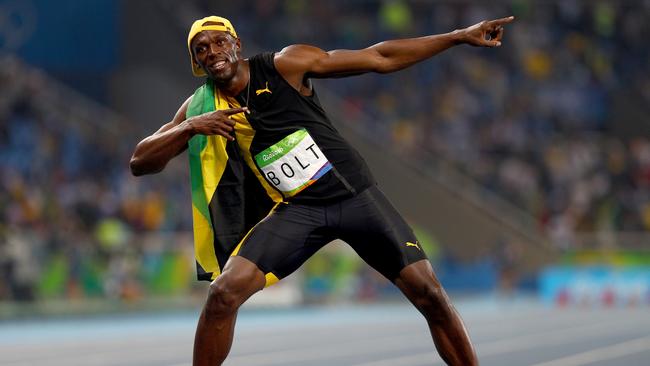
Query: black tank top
{"x": 293, "y": 136}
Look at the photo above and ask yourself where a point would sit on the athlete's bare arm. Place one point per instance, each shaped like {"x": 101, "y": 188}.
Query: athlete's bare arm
{"x": 152, "y": 154}
{"x": 299, "y": 62}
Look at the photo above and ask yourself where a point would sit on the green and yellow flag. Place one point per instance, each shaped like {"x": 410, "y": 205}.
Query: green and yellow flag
{"x": 227, "y": 198}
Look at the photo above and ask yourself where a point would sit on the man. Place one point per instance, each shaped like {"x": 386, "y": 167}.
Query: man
{"x": 267, "y": 108}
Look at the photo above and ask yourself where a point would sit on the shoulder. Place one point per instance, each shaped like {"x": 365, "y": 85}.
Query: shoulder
{"x": 299, "y": 53}
{"x": 181, "y": 114}
{"x": 264, "y": 58}
{"x": 297, "y": 58}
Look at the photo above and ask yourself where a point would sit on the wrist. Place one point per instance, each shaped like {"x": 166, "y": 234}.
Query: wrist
{"x": 188, "y": 127}
{"x": 458, "y": 36}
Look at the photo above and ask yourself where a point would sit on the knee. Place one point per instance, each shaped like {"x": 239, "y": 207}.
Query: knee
{"x": 222, "y": 300}
{"x": 237, "y": 283}
{"x": 432, "y": 301}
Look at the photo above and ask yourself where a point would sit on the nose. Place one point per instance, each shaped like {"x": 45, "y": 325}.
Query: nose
{"x": 214, "y": 49}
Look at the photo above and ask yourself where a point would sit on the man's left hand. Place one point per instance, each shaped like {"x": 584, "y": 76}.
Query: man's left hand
{"x": 487, "y": 33}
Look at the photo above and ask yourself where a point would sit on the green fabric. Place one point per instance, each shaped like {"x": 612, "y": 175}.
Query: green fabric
{"x": 202, "y": 102}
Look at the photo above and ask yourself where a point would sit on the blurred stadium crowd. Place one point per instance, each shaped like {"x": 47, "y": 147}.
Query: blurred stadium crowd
{"x": 534, "y": 121}
{"x": 72, "y": 214}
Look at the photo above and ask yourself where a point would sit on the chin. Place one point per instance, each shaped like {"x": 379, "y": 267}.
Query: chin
{"x": 223, "y": 76}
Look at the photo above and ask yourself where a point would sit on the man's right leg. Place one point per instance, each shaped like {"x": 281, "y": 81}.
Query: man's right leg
{"x": 277, "y": 245}
{"x": 239, "y": 280}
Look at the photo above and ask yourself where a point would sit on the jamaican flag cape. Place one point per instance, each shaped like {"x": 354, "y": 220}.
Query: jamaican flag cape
{"x": 227, "y": 198}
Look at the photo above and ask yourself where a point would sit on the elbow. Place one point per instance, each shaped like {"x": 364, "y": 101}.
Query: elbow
{"x": 385, "y": 65}
{"x": 381, "y": 62}
{"x": 136, "y": 167}
{"x": 384, "y": 70}
{"x": 139, "y": 167}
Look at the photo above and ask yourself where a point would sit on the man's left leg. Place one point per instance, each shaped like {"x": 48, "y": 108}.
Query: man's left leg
{"x": 382, "y": 238}
{"x": 420, "y": 285}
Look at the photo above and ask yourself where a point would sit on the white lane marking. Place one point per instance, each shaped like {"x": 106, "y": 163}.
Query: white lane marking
{"x": 530, "y": 341}
{"x": 489, "y": 327}
{"x": 486, "y": 324}
{"x": 603, "y": 353}
{"x": 326, "y": 351}
{"x": 260, "y": 342}
{"x": 264, "y": 341}
{"x": 415, "y": 359}
{"x": 113, "y": 357}
{"x": 139, "y": 355}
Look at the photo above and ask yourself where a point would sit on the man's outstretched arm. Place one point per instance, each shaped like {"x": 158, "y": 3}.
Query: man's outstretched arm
{"x": 300, "y": 61}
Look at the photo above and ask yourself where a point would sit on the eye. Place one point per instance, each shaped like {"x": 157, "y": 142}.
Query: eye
{"x": 200, "y": 49}
{"x": 220, "y": 43}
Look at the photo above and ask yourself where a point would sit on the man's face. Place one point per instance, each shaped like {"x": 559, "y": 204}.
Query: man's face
{"x": 217, "y": 53}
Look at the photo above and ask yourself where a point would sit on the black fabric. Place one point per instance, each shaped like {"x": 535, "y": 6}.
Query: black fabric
{"x": 201, "y": 274}
{"x": 238, "y": 203}
{"x": 283, "y": 110}
{"x": 293, "y": 232}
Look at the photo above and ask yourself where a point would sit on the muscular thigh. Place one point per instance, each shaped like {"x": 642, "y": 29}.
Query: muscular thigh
{"x": 285, "y": 239}
{"x": 378, "y": 233}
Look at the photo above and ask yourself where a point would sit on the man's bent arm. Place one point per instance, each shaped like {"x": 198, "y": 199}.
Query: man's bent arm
{"x": 152, "y": 154}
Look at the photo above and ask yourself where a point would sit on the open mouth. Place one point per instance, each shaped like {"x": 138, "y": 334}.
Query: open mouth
{"x": 219, "y": 65}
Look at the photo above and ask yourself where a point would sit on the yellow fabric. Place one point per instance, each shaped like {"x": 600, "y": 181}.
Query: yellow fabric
{"x": 204, "y": 253}
{"x": 271, "y": 279}
{"x": 198, "y": 27}
{"x": 244, "y": 133}
{"x": 213, "y": 158}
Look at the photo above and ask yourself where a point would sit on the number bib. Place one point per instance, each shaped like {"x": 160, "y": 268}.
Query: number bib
{"x": 293, "y": 164}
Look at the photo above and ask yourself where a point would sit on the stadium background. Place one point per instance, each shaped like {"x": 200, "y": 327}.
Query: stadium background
{"x": 523, "y": 169}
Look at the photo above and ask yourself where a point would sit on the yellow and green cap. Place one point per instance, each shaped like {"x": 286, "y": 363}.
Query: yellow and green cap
{"x": 217, "y": 24}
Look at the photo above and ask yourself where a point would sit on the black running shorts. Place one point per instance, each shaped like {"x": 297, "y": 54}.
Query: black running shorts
{"x": 292, "y": 233}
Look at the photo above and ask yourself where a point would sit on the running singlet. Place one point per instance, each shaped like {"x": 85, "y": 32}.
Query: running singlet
{"x": 297, "y": 153}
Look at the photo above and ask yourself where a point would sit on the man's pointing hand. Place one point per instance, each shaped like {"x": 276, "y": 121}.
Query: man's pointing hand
{"x": 487, "y": 33}
{"x": 216, "y": 123}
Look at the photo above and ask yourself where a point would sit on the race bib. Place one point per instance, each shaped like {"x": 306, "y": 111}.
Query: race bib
{"x": 293, "y": 164}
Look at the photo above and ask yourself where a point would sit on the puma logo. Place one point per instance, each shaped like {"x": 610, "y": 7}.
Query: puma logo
{"x": 265, "y": 90}
{"x": 409, "y": 244}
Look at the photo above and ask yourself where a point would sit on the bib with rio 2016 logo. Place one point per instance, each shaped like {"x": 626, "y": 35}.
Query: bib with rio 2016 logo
{"x": 293, "y": 163}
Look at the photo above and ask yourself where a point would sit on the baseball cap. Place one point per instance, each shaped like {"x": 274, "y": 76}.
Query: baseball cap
{"x": 215, "y": 23}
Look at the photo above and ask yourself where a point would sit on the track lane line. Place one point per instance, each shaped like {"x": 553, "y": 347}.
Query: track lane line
{"x": 602, "y": 353}
{"x": 507, "y": 345}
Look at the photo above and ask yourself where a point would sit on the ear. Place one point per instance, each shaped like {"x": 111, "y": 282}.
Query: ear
{"x": 193, "y": 53}
{"x": 238, "y": 47}
{"x": 194, "y": 60}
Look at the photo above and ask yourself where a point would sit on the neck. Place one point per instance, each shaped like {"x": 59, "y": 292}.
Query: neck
{"x": 237, "y": 83}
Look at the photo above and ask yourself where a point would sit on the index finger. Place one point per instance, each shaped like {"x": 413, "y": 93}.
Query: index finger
{"x": 501, "y": 21}
{"x": 231, "y": 111}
